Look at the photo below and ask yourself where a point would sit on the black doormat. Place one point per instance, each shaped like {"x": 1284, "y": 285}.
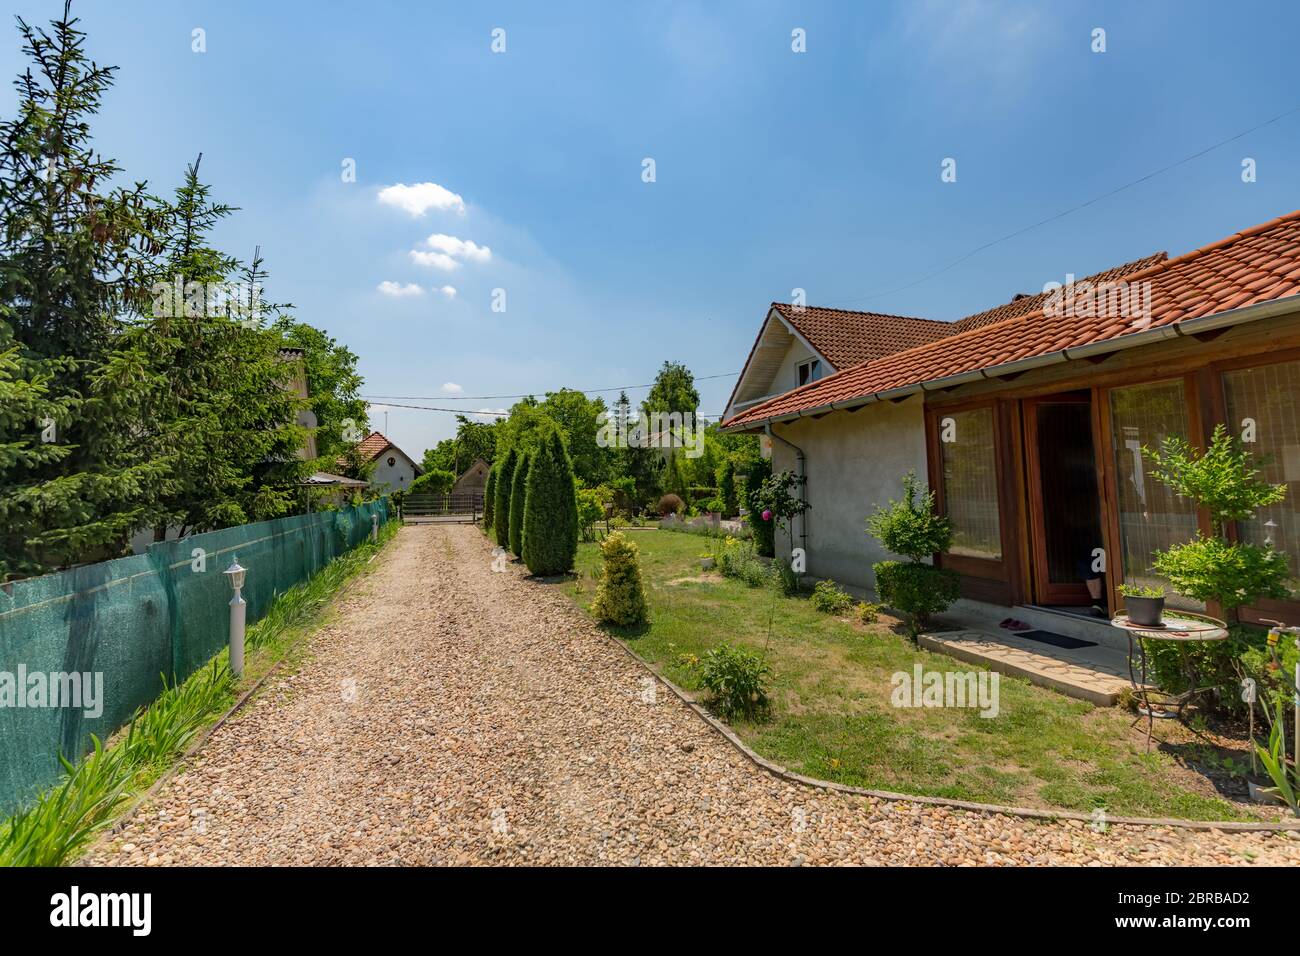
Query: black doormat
{"x": 1056, "y": 640}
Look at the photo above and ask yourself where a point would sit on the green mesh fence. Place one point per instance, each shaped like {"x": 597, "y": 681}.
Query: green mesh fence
{"x": 129, "y": 621}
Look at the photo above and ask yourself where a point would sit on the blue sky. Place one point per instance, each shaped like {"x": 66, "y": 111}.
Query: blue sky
{"x": 774, "y": 169}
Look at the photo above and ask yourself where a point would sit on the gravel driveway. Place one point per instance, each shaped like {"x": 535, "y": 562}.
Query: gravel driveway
{"x": 450, "y": 714}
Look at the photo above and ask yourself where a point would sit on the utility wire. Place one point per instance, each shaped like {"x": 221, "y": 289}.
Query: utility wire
{"x": 468, "y": 412}
{"x": 381, "y": 399}
{"x": 1061, "y": 215}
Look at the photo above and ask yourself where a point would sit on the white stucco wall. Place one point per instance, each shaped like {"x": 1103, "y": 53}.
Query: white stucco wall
{"x": 788, "y": 376}
{"x": 396, "y": 477}
{"x": 854, "y": 462}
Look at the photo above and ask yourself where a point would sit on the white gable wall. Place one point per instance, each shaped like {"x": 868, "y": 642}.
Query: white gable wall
{"x": 395, "y": 477}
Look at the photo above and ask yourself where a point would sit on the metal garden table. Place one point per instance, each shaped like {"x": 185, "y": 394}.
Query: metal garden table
{"x": 1183, "y": 628}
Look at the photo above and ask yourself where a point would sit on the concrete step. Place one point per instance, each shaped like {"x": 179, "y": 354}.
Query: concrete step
{"x": 989, "y": 616}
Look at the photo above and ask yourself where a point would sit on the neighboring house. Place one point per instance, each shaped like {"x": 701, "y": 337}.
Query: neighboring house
{"x": 1028, "y": 422}
{"x": 394, "y": 468}
{"x": 473, "y": 481}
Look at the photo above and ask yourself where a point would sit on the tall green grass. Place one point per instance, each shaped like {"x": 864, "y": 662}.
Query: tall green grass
{"x": 65, "y": 819}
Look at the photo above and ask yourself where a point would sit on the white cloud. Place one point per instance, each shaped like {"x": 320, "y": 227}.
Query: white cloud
{"x": 419, "y": 198}
{"x": 451, "y": 388}
{"x": 399, "y": 291}
{"x": 434, "y": 260}
{"x": 449, "y": 291}
{"x": 458, "y": 248}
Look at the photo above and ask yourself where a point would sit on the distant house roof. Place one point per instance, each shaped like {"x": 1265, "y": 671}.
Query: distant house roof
{"x": 325, "y": 479}
{"x": 1252, "y": 266}
{"x": 374, "y": 445}
{"x": 849, "y": 338}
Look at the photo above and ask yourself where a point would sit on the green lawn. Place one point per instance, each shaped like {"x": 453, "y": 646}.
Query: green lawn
{"x": 832, "y": 718}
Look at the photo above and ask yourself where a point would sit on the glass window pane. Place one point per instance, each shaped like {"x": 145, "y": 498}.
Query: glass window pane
{"x": 970, "y": 485}
{"x": 1151, "y": 517}
{"x": 1270, "y": 397}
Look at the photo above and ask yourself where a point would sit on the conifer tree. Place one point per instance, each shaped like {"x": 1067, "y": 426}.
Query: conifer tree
{"x": 489, "y": 493}
{"x": 550, "y": 526}
{"x": 501, "y": 507}
{"x": 518, "y": 490}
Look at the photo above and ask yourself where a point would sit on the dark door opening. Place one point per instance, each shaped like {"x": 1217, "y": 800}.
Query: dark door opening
{"x": 1064, "y": 506}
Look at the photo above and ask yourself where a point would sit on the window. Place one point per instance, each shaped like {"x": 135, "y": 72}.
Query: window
{"x": 391, "y": 461}
{"x": 1151, "y": 517}
{"x": 970, "y": 482}
{"x": 1263, "y": 406}
{"x": 810, "y": 371}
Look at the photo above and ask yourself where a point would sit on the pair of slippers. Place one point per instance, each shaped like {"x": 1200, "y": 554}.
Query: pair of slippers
{"x": 1011, "y": 624}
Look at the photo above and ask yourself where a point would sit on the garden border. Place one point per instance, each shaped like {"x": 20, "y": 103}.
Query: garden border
{"x": 782, "y": 773}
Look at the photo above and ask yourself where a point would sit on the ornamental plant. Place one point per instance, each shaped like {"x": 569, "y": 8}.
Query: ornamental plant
{"x": 911, "y": 527}
{"x": 1223, "y": 479}
{"x": 829, "y": 598}
{"x": 764, "y": 531}
{"x": 518, "y": 491}
{"x": 501, "y": 502}
{"x": 737, "y": 679}
{"x": 777, "y": 502}
{"x": 549, "y": 530}
{"x": 620, "y": 596}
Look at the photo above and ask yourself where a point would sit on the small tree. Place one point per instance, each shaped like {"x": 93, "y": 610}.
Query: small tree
{"x": 912, "y": 528}
{"x": 489, "y": 494}
{"x": 501, "y": 504}
{"x": 549, "y": 532}
{"x": 518, "y": 495}
{"x": 1225, "y": 481}
{"x": 434, "y": 482}
{"x": 620, "y": 596}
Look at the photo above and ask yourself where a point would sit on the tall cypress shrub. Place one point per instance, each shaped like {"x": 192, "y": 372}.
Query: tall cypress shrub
{"x": 501, "y": 506}
{"x": 518, "y": 490}
{"x": 550, "y": 526}
{"x": 489, "y": 493}
{"x": 764, "y": 531}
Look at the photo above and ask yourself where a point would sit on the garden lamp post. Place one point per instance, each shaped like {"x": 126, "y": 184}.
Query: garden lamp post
{"x": 238, "y": 615}
{"x": 374, "y": 526}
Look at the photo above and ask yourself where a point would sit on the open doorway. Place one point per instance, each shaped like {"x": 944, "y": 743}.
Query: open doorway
{"x": 1064, "y": 504}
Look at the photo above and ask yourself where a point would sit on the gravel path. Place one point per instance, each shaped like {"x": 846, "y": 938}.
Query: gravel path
{"x": 452, "y": 715}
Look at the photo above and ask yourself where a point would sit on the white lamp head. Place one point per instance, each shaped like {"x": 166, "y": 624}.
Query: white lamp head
{"x": 235, "y": 574}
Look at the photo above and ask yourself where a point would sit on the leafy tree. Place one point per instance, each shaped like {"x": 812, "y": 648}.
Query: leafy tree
{"x": 727, "y": 488}
{"x": 579, "y": 418}
{"x": 441, "y": 457}
{"x": 333, "y": 388}
{"x": 434, "y": 482}
{"x": 549, "y": 532}
{"x": 518, "y": 493}
{"x": 639, "y": 464}
{"x": 73, "y": 260}
{"x": 503, "y": 492}
{"x": 673, "y": 391}
{"x": 1225, "y": 481}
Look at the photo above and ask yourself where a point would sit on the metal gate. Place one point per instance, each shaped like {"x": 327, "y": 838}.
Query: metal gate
{"x": 464, "y": 506}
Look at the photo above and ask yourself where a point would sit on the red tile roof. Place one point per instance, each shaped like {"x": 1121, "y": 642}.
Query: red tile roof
{"x": 372, "y": 446}
{"x": 1024, "y": 304}
{"x": 1255, "y": 265}
{"x": 848, "y": 338}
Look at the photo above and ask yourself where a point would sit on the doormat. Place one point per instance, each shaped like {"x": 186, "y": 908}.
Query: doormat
{"x": 1056, "y": 640}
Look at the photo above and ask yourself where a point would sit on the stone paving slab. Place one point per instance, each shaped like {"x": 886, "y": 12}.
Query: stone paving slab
{"x": 1097, "y": 674}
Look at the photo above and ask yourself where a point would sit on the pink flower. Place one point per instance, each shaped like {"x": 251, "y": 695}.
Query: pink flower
{"x": 767, "y": 514}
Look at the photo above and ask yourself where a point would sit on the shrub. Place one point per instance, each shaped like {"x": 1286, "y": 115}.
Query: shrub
{"x": 911, "y": 527}
{"x": 786, "y": 578}
{"x": 590, "y": 510}
{"x": 868, "y": 613}
{"x": 518, "y": 493}
{"x": 501, "y": 504}
{"x": 764, "y": 531}
{"x": 1211, "y": 569}
{"x": 432, "y": 482}
{"x": 916, "y": 589}
{"x": 727, "y": 488}
{"x": 738, "y": 559}
{"x": 670, "y": 504}
{"x": 620, "y": 596}
{"x": 489, "y": 498}
{"x": 829, "y": 598}
{"x": 737, "y": 679}
{"x": 1221, "y": 665}
{"x": 549, "y": 531}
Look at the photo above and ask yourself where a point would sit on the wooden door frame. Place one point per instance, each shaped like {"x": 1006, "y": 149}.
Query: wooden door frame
{"x": 1044, "y": 591}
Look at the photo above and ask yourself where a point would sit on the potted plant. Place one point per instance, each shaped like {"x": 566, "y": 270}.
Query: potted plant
{"x": 1144, "y": 604}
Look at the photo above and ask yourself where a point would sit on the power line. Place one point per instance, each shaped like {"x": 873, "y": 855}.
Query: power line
{"x": 467, "y": 412}
{"x": 1061, "y": 215}
{"x": 381, "y": 399}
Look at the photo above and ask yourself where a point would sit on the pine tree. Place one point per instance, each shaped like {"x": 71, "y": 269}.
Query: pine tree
{"x": 74, "y": 262}
{"x": 501, "y": 506}
{"x": 550, "y": 525}
{"x": 489, "y": 495}
{"x": 518, "y": 490}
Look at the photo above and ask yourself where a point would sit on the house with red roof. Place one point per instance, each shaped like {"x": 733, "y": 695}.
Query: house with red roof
{"x": 1028, "y": 419}
{"x": 394, "y": 468}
